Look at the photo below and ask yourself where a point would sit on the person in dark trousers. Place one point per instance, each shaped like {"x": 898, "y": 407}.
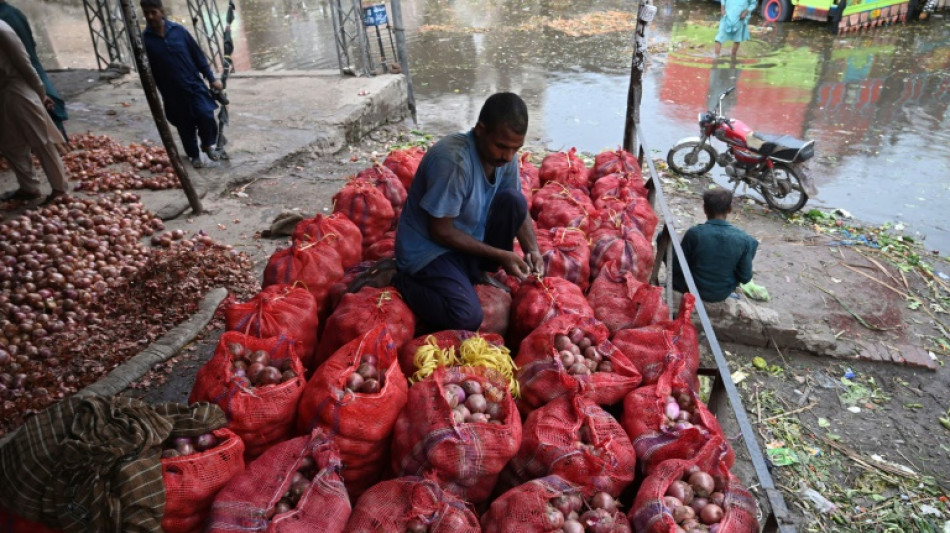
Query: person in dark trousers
{"x": 177, "y": 64}
{"x": 18, "y": 21}
{"x": 463, "y": 212}
{"x": 719, "y": 255}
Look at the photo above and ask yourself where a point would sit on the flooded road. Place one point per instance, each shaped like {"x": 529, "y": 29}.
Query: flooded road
{"x": 876, "y": 103}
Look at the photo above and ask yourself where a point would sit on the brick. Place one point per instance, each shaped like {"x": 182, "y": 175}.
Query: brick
{"x": 917, "y": 356}
{"x": 904, "y": 354}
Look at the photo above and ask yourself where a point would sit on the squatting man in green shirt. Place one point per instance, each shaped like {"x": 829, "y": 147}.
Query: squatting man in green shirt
{"x": 719, "y": 254}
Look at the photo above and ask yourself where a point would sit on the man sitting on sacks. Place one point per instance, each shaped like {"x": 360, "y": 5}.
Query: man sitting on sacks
{"x": 462, "y": 214}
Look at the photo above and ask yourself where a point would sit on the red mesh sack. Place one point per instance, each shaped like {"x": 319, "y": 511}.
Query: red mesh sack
{"x": 542, "y": 374}
{"x": 316, "y": 265}
{"x": 650, "y": 515}
{"x": 465, "y": 458}
{"x": 627, "y": 247}
{"x": 628, "y": 211}
{"x": 359, "y": 312}
{"x": 277, "y": 310}
{"x": 404, "y": 163}
{"x": 192, "y": 481}
{"x": 564, "y": 207}
{"x": 387, "y": 182}
{"x": 566, "y": 168}
{"x": 262, "y": 415}
{"x": 335, "y": 230}
{"x": 649, "y": 348}
{"x": 367, "y": 207}
{"x": 621, "y": 301}
{"x": 11, "y": 523}
{"x": 411, "y": 502}
{"x": 645, "y": 422}
{"x": 617, "y": 161}
{"x": 360, "y": 424}
{"x": 566, "y": 255}
{"x": 451, "y": 338}
{"x": 537, "y": 301}
{"x": 549, "y": 445}
{"x": 384, "y": 248}
{"x": 528, "y": 176}
{"x": 496, "y": 309}
{"x": 247, "y": 502}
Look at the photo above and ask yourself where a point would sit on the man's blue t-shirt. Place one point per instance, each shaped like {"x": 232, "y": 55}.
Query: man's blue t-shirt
{"x": 450, "y": 183}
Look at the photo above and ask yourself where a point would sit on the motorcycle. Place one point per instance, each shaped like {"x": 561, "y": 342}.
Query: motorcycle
{"x": 770, "y": 164}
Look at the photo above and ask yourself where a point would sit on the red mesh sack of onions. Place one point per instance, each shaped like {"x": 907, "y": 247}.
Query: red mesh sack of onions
{"x": 570, "y": 354}
{"x": 649, "y": 347}
{"x": 631, "y": 212}
{"x": 684, "y": 495}
{"x": 335, "y": 230}
{"x": 621, "y": 301}
{"x": 277, "y": 310}
{"x": 384, "y": 248}
{"x": 359, "y": 312}
{"x": 192, "y": 480}
{"x": 461, "y": 427}
{"x": 11, "y": 523}
{"x": 576, "y": 439}
{"x": 496, "y": 309}
{"x": 257, "y": 382}
{"x": 387, "y": 182}
{"x": 404, "y": 163}
{"x": 566, "y": 254}
{"x": 294, "y": 487}
{"x": 528, "y": 175}
{"x": 668, "y": 421}
{"x": 559, "y": 206}
{"x": 367, "y": 207}
{"x": 614, "y": 192}
{"x": 414, "y": 505}
{"x": 316, "y": 265}
{"x": 538, "y": 300}
{"x": 628, "y": 247}
{"x": 355, "y": 397}
{"x": 451, "y": 338}
{"x": 617, "y": 161}
{"x": 566, "y": 168}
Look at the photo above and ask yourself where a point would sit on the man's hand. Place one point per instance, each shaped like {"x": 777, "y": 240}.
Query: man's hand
{"x": 515, "y": 266}
{"x": 742, "y": 16}
{"x": 48, "y": 102}
{"x": 535, "y": 263}
{"x": 217, "y": 85}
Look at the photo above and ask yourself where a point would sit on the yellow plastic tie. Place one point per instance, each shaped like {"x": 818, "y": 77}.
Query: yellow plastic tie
{"x": 429, "y": 357}
{"x": 476, "y": 351}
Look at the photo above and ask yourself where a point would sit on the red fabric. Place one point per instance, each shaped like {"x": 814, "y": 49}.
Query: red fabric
{"x": 621, "y": 301}
{"x": 626, "y": 211}
{"x": 649, "y": 515}
{"x": 404, "y": 163}
{"x": 617, "y": 161}
{"x": 263, "y": 415}
{"x": 277, "y": 310}
{"x": 643, "y": 417}
{"x": 628, "y": 247}
{"x": 536, "y": 301}
{"x": 465, "y": 459}
{"x": 11, "y": 523}
{"x": 360, "y": 312}
{"x": 559, "y": 206}
{"x": 316, "y": 265}
{"x": 566, "y": 254}
{"x": 566, "y": 168}
{"x": 384, "y": 248}
{"x": 549, "y": 446}
{"x": 246, "y": 499}
{"x": 367, "y": 207}
{"x": 359, "y": 424}
{"x": 192, "y": 481}
{"x": 451, "y": 338}
{"x": 335, "y": 230}
{"x": 390, "y": 505}
{"x": 544, "y": 378}
{"x": 650, "y": 347}
{"x": 496, "y": 309}
{"x": 388, "y": 183}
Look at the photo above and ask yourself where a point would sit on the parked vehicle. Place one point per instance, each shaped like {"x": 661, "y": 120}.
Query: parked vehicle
{"x": 850, "y": 15}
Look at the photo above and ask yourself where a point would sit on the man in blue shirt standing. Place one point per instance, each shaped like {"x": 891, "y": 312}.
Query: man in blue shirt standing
{"x": 719, "y": 254}
{"x": 176, "y": 62}
{"x": 462, "y": 214}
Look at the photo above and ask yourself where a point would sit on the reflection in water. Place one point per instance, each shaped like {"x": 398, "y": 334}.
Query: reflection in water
{"x": 876, "y": 103}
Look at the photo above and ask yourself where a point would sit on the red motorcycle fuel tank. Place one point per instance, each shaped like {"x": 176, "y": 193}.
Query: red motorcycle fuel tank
{"x": 733, "y": 132}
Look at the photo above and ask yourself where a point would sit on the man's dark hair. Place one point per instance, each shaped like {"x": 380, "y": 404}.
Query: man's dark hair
{"x": 151, "y": 3}
{"x": 717, "y": 202}
{"x": 506, "y": 109}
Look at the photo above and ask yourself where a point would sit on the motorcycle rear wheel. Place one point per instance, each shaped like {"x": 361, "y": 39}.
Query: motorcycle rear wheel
{"x": 691, "y": 158}
{"x": 784, "y": 191}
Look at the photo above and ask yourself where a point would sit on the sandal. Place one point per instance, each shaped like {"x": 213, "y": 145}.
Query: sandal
{"x": 52, "y": 197}
{"x": 19, "y": 195}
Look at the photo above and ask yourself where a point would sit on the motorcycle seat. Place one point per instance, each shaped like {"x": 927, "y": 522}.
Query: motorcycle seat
{"x": 781, "y": 147}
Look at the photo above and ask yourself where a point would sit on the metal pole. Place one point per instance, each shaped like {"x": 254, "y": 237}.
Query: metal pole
{"x": 382, "y": 48}
{"x": 155, "y": 104}
{"x": 403, "y": 54}
{"x": 645, "y": 14}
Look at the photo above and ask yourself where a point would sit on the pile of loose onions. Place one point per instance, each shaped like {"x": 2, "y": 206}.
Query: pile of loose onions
{"x": 679, "y": 413}
{"x": 299, "y": 483}
{"x": 101, "y": 164}
{"x": 566, "y": 513}
{"x": 255, "y": 366}
{"x": 579, "y": 355}
{"x": 695, "y": 502}
{"x": 366, "y": 379}
{"x": 471, "y": 402}
{"x": 180, "y": 446}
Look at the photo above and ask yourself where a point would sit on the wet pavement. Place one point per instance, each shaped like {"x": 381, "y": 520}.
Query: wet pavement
{"x": 875, "y": 102}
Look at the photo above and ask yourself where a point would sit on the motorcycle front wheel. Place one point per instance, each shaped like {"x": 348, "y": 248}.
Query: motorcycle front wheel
{"x": 691, "y": 158}
{"x": 783, "y": 191}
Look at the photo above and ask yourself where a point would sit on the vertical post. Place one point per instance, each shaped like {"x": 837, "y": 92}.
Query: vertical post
{"x": 382, "y": 48}
{"x": 403, "y": 53}
{"x": 155, "y": 104}
{"x": 645, "y": 14}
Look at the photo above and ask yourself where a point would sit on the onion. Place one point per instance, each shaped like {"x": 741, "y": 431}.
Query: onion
{"x": 205, "y": 441}
{"x": 567, "y": 358}
{"x": 682, "y": 513}
{"x": 370, "y": 359}
{"x": 354, "y": 381}
{"x": 562, "y": 503}
{"x": 576, "y": 335}
{"x": 416, "y": 525}
{"x": 717, "y": 498}
{"x": 561, "y": 342}
{"x": 711, "y": 514}
{"x": 604, "y": 501}
{"x": 672, "y": 502}
{"x": 237, "y": 350}
{"x": 370, "y": 386}
{"x": 698, "y": 503}
{"x": 476, "y": 403}
{"x": 368, "y": 371}
{"x": 702, "y": 483}
{"x": 254, "y": 371}
{"x": 185, "y": 448}
{"x": 457, "y": 390}
{"x": 681, "y": 491}
{"x": 259, "y": 356}
{"x": 584, "y": 344}
{"x": 269, "y": 376}
{"x": 470, "y": 386}
{"x": 671, "y": 410}
{"x": 169, "y": 453}
{"x": 282, "y": 507}
{"x": 494, "y": 410}
{"x": 553, "y": 519}
{"x": 572, "y": 526}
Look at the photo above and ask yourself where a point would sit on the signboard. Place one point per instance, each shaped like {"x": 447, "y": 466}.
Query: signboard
{"x": 375, "y": 15}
